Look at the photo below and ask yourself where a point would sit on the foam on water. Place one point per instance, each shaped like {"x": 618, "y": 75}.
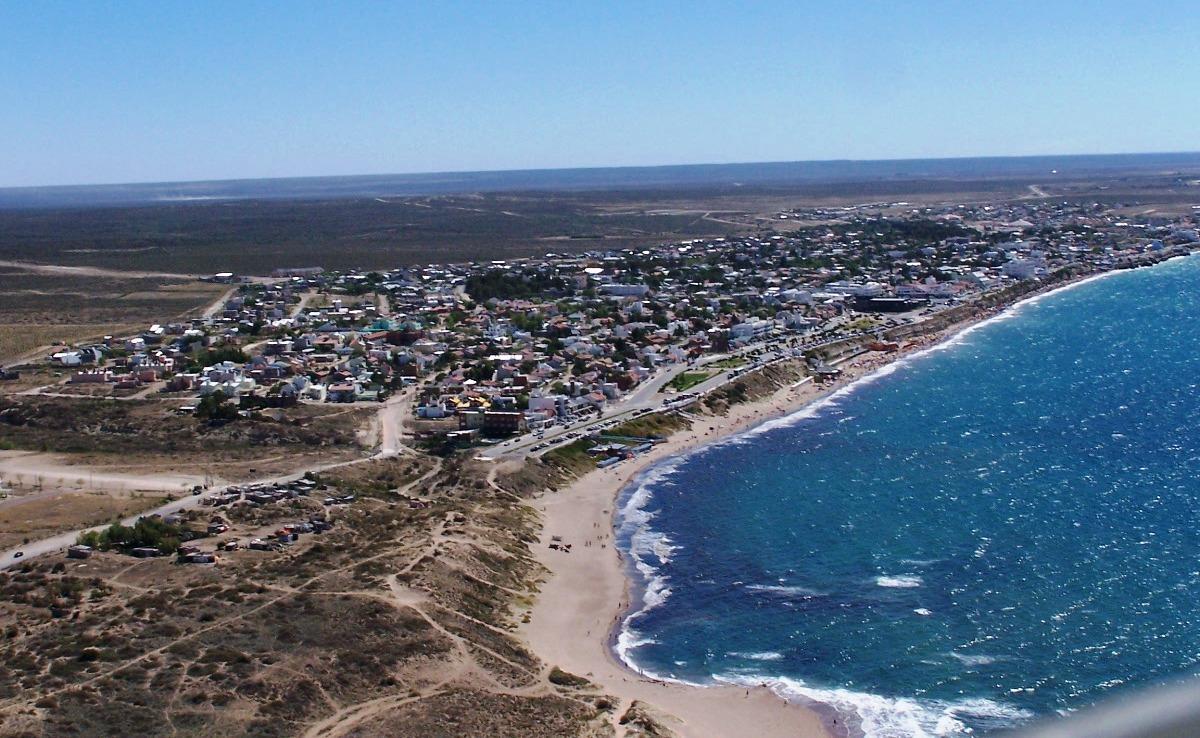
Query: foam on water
{"x": 648, "y": 550}
{"x": 780, "y": 589}
{"x": 974, "y": 659}
{"x": 883, "y": 717}
{"x": 761, "y": 656}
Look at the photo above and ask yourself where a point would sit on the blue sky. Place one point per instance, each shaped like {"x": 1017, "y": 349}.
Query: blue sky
{"x": 145, "y": 91}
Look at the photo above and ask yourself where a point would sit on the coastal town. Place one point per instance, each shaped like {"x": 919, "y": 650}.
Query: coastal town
{"x": 512, "y": 357}
{"x": 508, "y": 360}
{"x": 570, "y": 371}
{"x": 302, "y": 409}
{"x": 608, "y": 370}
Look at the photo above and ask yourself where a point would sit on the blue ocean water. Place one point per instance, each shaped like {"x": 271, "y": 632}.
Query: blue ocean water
{"x": 1005, "y": 526}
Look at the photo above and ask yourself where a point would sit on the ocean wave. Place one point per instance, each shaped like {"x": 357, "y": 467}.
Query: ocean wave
{"x": 627, "y": 641}
{"x": 895, "y": 717}
{"x": 975, "y": 659}
{"x": 785, "y": 590}
{"x": 921, "y": 562}
{"x": 899, "y": 581}
{"x": 756, "y": 656}
{"x": 648, "y": 551}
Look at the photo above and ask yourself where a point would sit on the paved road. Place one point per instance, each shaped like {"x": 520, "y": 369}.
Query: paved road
{"x": 647, "y": 396}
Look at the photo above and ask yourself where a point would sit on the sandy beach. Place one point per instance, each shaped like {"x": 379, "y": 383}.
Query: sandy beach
{"x": 587, "y": 591}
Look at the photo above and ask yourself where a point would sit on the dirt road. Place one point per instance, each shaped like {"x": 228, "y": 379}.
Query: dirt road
{"x": 87, "y": 271}
{"x": 26, "y": 467}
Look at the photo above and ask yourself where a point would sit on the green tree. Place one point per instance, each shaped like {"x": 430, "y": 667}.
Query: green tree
{"x": 213, "y": 407}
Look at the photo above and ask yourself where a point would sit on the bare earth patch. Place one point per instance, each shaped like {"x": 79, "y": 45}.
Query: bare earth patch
{"x": 42, "y": 515}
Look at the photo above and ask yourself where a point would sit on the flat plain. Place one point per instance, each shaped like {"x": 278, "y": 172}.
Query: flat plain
{"x": 258, "y": 236}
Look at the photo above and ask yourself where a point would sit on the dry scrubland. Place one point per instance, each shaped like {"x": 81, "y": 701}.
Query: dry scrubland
{"x": 397, "y": 622}
{"x": 130, "y": 433}
{"x": 42, "y": 515}
{"x": 256, "y": 237}
{"x": 37, "y": 309}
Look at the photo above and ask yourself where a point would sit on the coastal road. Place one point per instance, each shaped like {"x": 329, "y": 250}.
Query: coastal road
{"x": 648, "y": 396}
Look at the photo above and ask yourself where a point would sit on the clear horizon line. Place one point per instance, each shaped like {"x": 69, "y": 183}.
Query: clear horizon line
{"x": 432, "y": 173}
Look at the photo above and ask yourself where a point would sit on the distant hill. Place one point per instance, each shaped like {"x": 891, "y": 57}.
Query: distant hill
{"x": 692, "y": 175}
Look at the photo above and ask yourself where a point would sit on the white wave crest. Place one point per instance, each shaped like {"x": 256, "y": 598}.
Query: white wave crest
{"x": 968, "y": 659}
{"x": 757, "y": 656}
{"x": 921, "y": 562}
{"x": 648, "y": 551}
{"x": 629, "y": 640}
{"x": 891, "y": 717}
{"x": 899, "y": 581}
{"x": 787, "y": 591}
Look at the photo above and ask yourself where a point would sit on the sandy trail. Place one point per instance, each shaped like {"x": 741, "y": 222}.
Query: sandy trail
{"x": 88, "y": 271}
{"x": 28, "y": 468}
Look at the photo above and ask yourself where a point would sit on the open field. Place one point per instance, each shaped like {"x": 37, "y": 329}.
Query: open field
{"x": 262, "y": 236}
{"x": 53, "y": 299}
{"x": 147, "y": 432}
{"x": 38, "y": 309}
{"x": 41, "y": 515}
